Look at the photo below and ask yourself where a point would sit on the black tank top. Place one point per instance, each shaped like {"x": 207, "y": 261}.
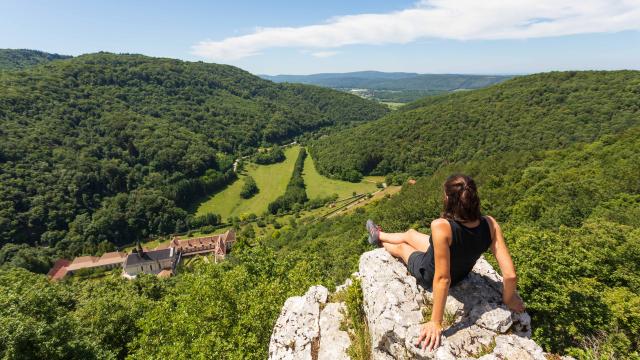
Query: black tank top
{"x": 467, "y": 244}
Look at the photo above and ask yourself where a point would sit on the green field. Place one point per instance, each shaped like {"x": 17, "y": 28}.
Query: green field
{"x": 321, "y": 186}
{"x": 392, "y": 105}
{"x": 271, "y": 180}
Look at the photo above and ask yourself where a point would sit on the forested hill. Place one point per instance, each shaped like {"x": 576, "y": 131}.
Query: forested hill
{"x": 12, "y": 59}
{"x": 528, "y": 113}
{"x": 108, "y": 144}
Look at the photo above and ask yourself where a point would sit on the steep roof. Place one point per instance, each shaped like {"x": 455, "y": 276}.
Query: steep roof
{"x": 148, "y": 256}
{"x": 230, "y": 236}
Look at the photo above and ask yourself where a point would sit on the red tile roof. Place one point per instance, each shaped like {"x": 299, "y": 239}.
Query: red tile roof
{"x": 82, "y": 262}
{"x": 110, "y": 258}
{"x": 203, "y": 243}
{"x": 59, "y": 269}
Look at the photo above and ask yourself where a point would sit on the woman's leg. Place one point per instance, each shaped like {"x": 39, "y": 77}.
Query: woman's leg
{"x": 402, "y": 250}
{"x": 413, "y": 238}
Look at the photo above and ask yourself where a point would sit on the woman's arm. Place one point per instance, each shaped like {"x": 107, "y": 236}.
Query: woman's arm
{"x": 499, "y": 249}
{"x": 440, "y": 233}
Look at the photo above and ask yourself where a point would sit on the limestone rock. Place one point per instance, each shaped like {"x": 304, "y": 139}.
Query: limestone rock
{"x": 494, "y": 318}
{"x": 333, "y": 341}
{"x": 512, "y": 347}
{"x": 296, "y": 334}
{"x": 393, "y": 304}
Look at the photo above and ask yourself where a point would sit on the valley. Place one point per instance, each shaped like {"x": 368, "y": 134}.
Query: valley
{"x": 101, "y": 152}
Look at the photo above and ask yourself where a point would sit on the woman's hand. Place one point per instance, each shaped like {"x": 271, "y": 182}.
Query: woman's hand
{"x": 430, "y": 334}
{"x": 514, "y": 303}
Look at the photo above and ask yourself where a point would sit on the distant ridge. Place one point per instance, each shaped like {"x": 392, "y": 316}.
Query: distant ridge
{"x": 15, "y": 59}
{"x": 528, "y": 113}
{"x": 377, "y": 80}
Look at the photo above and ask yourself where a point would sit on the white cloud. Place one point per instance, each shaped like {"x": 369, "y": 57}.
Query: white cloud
{"x": 444, "y": 19}
{"x": 324, "y": 54}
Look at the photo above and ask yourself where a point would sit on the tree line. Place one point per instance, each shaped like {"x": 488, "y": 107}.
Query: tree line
{"x": 296, "y": 192}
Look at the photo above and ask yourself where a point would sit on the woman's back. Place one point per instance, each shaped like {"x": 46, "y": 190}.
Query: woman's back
{"x": 467, "y": 245}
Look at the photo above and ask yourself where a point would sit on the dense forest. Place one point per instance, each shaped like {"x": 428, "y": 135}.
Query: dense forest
{"x": 570, "y": 219}
{"x": 107, "y": 149}
{"x": 11, "y": 59}
{"x": 270, "y": 156}
{"x": 528, "y": 113}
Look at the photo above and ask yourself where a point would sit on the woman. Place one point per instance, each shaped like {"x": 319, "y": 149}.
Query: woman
{"x": 458, "y": 238}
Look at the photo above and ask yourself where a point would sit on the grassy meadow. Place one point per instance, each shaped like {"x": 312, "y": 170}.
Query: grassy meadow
{"x": 322, "y": 186}
{"x": 271, "y": 180}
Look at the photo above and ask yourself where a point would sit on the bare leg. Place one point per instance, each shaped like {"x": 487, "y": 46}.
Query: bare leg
{"x": 411, "y": 237}
{"x": 402, "y": 250}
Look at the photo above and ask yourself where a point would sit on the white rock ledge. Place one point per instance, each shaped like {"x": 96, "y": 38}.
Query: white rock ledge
{"x": 296, "y": 334}
{"x": 393, "y": 304}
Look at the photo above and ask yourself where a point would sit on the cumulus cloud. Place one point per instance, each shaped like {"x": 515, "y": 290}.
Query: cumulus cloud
{"x": 443, "y": 19}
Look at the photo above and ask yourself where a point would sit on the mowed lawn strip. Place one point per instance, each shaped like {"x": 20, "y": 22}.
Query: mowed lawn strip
{"x": 322, "y": 186}
{"x": 271, "y": 180}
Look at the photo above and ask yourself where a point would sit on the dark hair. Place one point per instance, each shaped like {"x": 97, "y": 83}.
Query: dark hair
{"x": 461, "y": 201}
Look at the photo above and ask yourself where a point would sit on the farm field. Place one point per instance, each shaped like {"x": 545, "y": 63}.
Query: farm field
{"x": 321, "y": 186}
{"x": 271, "y": 180}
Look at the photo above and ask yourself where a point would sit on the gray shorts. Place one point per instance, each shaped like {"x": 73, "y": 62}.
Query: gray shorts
{"x": 421, "y": 266}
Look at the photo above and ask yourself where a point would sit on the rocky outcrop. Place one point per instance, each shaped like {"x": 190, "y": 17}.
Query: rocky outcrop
{"x": 333, "y": 341}
{"x": 396, "y": 307}
{"x": 296, "y": 334}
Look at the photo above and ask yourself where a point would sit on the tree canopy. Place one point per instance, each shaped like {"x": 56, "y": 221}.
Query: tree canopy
{"x": 87, "y": 141}
{"x": 528, "y": 113}
{"x": 12, "y": 59}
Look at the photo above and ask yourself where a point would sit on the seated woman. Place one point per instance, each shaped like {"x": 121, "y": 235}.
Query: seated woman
{"x": 458, "y": 238}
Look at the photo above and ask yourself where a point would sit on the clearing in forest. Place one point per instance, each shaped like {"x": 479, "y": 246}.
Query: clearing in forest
{"x": 321, "y": 186}
{"x": 271, "y": 181}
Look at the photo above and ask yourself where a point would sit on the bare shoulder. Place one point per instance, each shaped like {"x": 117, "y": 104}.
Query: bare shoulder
{"x": 439, "y": 224}
{"x": 440, "y": 232}
{"x": 492, "y": 222}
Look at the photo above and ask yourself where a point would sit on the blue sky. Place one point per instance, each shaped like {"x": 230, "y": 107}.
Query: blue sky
{"x": 302, "y": 37}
